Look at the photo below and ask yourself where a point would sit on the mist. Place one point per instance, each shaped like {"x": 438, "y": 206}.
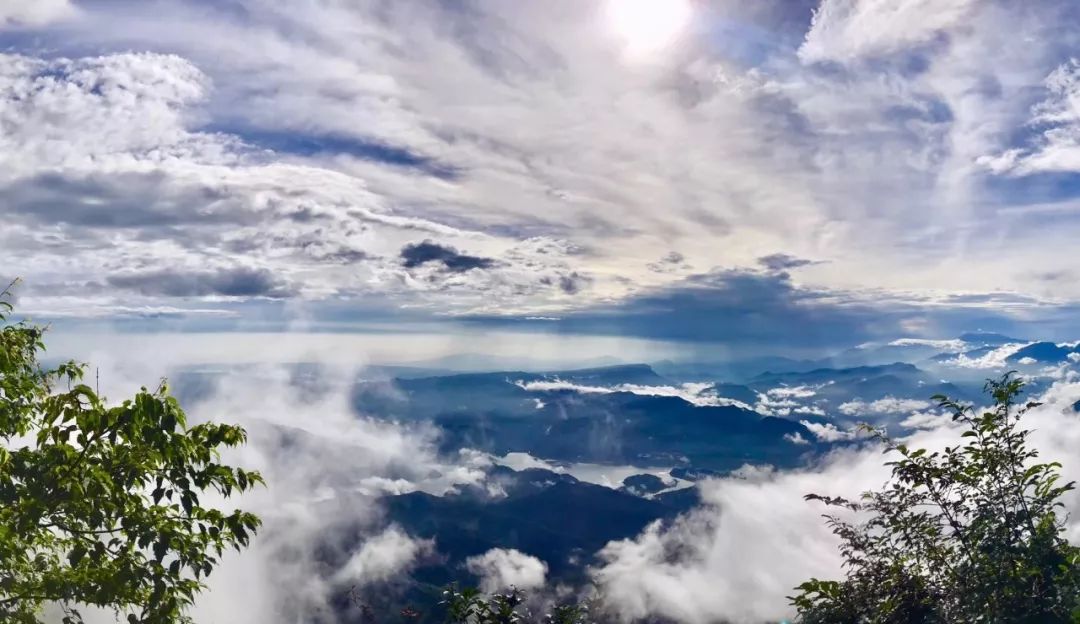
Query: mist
{"x": 742, "y": 552}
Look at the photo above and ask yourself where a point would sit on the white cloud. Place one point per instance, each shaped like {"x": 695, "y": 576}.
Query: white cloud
{"x": 319, "y": 460}
{"x": 1057, "y": 147}
{"x": 796, "y": 438}
{"x": 700, "y": 394}
{"x": 325, "y": 466}
{"x": 109, "y": 112}
{"x": 781, "y": 401}
{"x": 607, "y": 475}
{"x": 101, "y": 159}
{"x": 887, "y": 405}
{"x": 847, "y": 30}
{"x": 954, "y": 345}
{"x": 827, "y": 432}
{"x": 995, "y": 358}
{"x": 303, "y": 342}
{"x": 22, "y": 13}
{"x": 926, "y": 420}
{"x": 523, "y": 461}
{"x": 738, "y": 557}
{"x": 383, "y": 556}
{"x": 793, "y": 392}
{"x": 502, "y": 568}
{"x": 596, "y": 172}
{"x": 733, "y": 559}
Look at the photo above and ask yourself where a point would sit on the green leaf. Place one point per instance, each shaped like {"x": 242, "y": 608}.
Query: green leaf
{"x": 80, "y": 506}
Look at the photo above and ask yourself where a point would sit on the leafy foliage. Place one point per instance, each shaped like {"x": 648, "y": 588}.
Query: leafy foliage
{"x": 970, "y": 534}
{"x": 101, "y": 505}
{"x": 470, "y": 606}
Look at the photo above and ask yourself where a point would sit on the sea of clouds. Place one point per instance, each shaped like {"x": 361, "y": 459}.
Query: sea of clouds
{"x": 734, "y": 558}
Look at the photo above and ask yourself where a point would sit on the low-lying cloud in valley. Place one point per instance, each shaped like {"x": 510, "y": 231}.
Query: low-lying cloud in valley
{"x": 501, "y": 568}
{"x": 754, "y": 539}
{"x": 326, "y": 466}
{"x": 735, "y": 557}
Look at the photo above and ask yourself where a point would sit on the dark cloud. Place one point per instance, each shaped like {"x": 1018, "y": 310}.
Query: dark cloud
{"x": 669, "y": 263}
{"x": 570, "y": 283}
{"x": 343, "y": 256}
{"x": 754, "y": 312}
{"x": 782, "y": 262}
{"x": 738, "y": 307}
{"x": 232, "y": 282}
{"x": 305, "y": 144}
{"x": 122, "y": 200}
{"x": 714, "y": 224}
{"x": 743, "y": 308}
{"x": 999, "y": 298}
{"x": 1057, "y": 277}
{"x": 573, "y": 283}
{"x": 417, "y": 254}
{"x": 337, "y": 255}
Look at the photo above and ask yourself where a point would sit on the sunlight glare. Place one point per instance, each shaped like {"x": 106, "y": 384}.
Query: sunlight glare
{"x": 647, "y": 26}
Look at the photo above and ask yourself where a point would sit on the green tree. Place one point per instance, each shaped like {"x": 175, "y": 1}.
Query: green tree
{"x": 470, "y": 606}
{"x": 100, "y": 505}
{"x": 974, "y": 533}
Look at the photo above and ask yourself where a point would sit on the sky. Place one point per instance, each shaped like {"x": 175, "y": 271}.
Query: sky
{"x": 792, "y": 176}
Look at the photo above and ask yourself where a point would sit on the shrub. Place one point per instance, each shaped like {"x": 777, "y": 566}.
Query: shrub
{"x": 974, "y": 533}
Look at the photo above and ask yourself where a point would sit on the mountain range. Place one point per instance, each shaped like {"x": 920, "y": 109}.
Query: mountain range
{"x": 576, "y": 458}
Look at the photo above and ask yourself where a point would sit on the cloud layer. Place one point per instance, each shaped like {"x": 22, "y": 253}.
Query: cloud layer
{"x": 754, "y": 539}
{"x": 323, "y": 532}
{"x": 514, "y": 160}
{"x": 501, "y": 568}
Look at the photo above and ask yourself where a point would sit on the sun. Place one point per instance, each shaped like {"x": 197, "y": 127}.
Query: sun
{"x": 647, "y": 26}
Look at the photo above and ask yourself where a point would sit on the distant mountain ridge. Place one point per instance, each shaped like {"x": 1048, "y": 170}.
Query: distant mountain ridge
{"x": 1043, "y": 353}
{"x": 988, "y": 338}
{"x": 624, "y": 426}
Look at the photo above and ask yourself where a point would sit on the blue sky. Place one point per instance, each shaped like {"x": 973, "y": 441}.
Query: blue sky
{"x": 770, "y": 175}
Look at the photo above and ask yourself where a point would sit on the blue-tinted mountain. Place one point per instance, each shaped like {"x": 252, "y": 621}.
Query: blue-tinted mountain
{"x": 914, "y": 351}
{"x": 643, "y": 485}
{"x": 529, "y": 480}
{"x": 878, "y": 355}
{"x": 735, "y": 370}
{"x": 739, "y": 392}
{"x": 1043, "y": 353}
{"x": 972, "y": 354}
{"x": 641, "y": 374}
{"x": 548, "y": 515}
{"x": 624, "y": 428}
{"x": 694, "y": 474}
{"x": 744, "y": 369}
{"x": 563, "y": 523}
{"x": 989, "y": 338}
{"x": 826, "y": 375}
{"x": 481, "y": 393}
{"x": 495, "y": 413}
{"x": 868, "y": 383}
